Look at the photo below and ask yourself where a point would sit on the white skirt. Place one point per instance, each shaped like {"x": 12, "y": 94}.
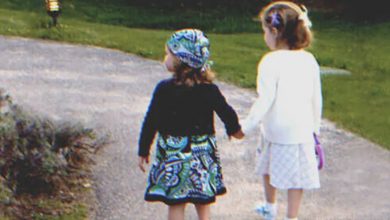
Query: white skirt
{"x": 292, "y": 166}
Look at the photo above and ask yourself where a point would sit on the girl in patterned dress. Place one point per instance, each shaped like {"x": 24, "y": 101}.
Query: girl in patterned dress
{"x": 187, "y": 167}
{"x": 288, "y": 107}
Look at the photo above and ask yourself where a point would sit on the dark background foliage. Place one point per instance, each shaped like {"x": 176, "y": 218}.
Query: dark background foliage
{"x": 353, "y": 9}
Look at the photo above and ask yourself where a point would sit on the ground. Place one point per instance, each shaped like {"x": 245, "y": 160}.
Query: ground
{"x": 109, "y": 91}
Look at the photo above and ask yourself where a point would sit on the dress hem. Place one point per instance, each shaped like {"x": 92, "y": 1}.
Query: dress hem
{"x": 160, "y": 198}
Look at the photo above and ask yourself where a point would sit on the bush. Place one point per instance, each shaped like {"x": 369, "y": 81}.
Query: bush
{"x": 374, "y": 10}
{"x": 38, "y": 156}
{"x": 200, "y": 5}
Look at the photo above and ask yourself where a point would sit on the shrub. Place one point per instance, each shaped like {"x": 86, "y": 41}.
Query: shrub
{"x": 38, "y": 156}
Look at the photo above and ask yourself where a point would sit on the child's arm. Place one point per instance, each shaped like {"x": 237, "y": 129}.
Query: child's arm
{"x": 266, "y": 90}
{"x": 149, "y": 127}
{"x": 226, "y": 113}
{"x": 142, "y": 161}
{"x": 317, "y": 102}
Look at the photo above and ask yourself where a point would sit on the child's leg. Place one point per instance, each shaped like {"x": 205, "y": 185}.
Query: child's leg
{"x": 270, "y": 191}
{"x": 203, "y": 211}
{"x": 294, "y": 201}
{"x": 268, "y": 210}
{"x": 176, "y": 212}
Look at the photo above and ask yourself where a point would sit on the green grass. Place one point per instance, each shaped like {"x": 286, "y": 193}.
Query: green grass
{"x": 63, "y": 210}
{"x": 77, "y": 212}
{"x": 359, "y": 103}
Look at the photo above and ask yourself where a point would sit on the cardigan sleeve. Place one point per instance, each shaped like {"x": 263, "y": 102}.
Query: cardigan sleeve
{"x": 149, "y": 126}
{"x": 226, "y": 113}
{"x": 317, "y": 101}
{"x": 266, "y": 90}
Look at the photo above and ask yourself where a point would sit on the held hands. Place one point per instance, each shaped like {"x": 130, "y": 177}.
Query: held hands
{"x": 142, "y": 161}
{"x": 238, "y": 135}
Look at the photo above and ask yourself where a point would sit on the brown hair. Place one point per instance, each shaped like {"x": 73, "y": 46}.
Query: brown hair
{"x": 286, "y": 18}
{"x": 186, "y": 75}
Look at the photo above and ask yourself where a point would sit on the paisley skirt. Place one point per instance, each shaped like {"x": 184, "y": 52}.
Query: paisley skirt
{"x": 185, "y": 169}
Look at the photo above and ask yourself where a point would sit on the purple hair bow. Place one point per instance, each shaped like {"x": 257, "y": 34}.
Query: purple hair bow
{"x": 275, "y": 21}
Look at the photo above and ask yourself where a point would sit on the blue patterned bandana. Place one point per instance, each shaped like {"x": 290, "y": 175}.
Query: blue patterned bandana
{"x": 191, "y": 46}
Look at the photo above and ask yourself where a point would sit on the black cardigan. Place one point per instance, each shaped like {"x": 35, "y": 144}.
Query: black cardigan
{"x": 180, "y": 110}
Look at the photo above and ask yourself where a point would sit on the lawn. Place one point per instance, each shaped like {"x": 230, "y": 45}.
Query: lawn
{"x": 359, "y": 102}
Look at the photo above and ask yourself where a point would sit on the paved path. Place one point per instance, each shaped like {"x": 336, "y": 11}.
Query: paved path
{"x": 110, "y": 90}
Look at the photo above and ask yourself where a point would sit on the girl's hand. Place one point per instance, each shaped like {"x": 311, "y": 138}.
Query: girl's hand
{"x": 142, "y": 161}
{"x": 239, "y": 134}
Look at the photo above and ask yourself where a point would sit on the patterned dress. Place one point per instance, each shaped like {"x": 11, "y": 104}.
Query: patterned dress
{"x": 186, "y": 169}
{"x": 186, "y": 166}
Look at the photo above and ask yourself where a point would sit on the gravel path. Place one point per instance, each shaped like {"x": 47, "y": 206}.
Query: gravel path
{"x": 109, "y": 91}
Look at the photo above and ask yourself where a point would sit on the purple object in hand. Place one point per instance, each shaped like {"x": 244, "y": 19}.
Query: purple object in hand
{"x": 319, "y": 153}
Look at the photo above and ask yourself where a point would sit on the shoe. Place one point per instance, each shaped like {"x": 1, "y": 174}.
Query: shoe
{"x": 266, "y": 212}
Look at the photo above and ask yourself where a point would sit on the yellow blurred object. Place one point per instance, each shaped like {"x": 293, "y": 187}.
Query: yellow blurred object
{"x": 53, "y": 8}
{"x": 53, "y": 5}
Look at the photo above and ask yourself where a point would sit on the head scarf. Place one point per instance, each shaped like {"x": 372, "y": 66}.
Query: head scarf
{"x": 191, "y": 46}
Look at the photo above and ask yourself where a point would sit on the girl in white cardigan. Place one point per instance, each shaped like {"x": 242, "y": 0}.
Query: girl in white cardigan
{"x": 288, "y": 107}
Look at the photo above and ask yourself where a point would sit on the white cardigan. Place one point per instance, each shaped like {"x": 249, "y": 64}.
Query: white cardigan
{"x": 289, "y": 103}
